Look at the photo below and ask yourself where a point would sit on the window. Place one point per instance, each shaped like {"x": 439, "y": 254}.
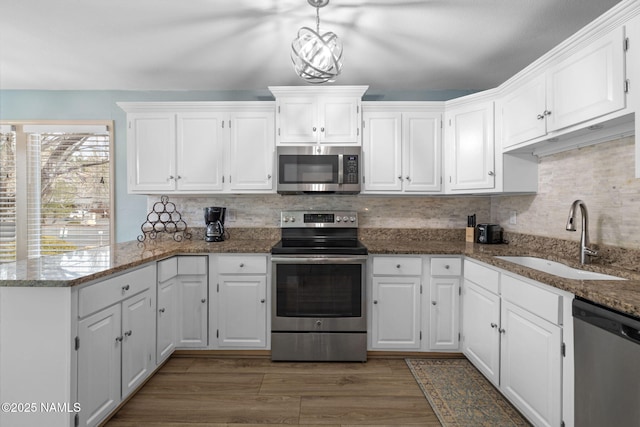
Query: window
{"x": 55, "y": 188}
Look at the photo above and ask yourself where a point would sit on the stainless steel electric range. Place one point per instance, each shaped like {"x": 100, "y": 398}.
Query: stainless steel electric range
{"x": 318, "y": 285}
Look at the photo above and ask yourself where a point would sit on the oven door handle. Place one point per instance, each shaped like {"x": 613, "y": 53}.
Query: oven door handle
{"x": 319, "y": 259}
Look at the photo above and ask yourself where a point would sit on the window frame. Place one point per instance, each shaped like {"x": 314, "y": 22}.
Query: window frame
{"x": 21, "y": 170}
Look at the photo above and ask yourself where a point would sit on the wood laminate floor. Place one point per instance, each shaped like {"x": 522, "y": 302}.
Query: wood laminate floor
{"x": 216, "y": 392}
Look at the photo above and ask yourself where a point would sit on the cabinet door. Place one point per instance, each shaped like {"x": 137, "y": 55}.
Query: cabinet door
{"x": 251, "y": 151}
{"x": 531, "y": 364}
{"x": 421, "y": 152}
{"x": 200, "y": 154}
{"x": 242, "y": 311}
{"x": 522, "y": 112}
{"x": 151, "y": 147}
{"x": 167, "y": 319}
{"x": 588, "y": 84}
{"x": 192, "y": 320}
{"x": 382, "y": 152}
{"x": 480, "y": 323}
{"x": 396, "y": 313}
{"x": 443, "y": 313}
{"x": 297, "y": 120}
{"x": 470, "y": 144}
{"x": 99, "y": 364}
{"x": 339, "y": 120}
{"x": 138, "y": 344}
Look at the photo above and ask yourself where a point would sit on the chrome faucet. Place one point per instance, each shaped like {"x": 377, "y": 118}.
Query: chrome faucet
{"x": 585, "y": 252}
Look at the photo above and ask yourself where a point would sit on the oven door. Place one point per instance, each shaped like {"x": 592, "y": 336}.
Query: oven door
{"x": 318, "y": 293}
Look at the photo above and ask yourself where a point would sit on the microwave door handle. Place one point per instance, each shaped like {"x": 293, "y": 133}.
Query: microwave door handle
{"x": 340, "y": 169}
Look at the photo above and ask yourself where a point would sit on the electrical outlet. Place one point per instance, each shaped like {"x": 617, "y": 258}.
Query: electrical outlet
{"x": 231, "y": 215}
{"x": 513, "y": 217}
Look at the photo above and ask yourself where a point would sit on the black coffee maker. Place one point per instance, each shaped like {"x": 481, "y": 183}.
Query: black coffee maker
{"x": 214, "y": 219}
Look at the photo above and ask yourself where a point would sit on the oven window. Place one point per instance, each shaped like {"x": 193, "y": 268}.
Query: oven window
{"x": 308, "y": 169}
{"x": 319, "y": 290}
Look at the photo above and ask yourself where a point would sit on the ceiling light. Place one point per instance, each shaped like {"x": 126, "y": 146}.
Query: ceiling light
{"x": 317, "y": 58}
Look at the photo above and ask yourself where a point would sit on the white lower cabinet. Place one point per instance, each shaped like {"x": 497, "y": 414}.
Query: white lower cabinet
{"x": 193, "y": 306}
{"x": 116, "y": 341}
{"x": 241, "y": 308}
{"x": 402, "y": 313}
{"x": 513, "y": 333}
{"x": 444, "y": 303}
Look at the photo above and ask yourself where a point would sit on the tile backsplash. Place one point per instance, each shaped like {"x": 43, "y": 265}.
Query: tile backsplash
{"x": 602, "y": 175}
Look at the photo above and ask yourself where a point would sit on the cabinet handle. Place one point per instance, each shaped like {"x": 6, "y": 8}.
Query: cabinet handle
{"x": 540, "y": 116}
{"x": 125, "y": 288}
{"x": 400, "y": 178}
{"x": 161, "y": 310}
{"x": 321, "y": 129}
{"x": 398, "y": 266}
{"x": 314, "y": 128}
{"x": 491, "y": 173}
{"x": 493, "y": 325}
{"x": 547, "y": 113}
{"x": 170, "y": 177}
{"x": 203, "y": 300}
{"x": 502, "y": 331}
{"x": 179, "y": 177}
{"x": 446, "y": 267}
{"x": 375, "y": 301}
{"x": 263, "y": 300}
{"x": 241, "y": 264}
{"x": 408, "y": 179}
{"x": 128, "y": 333}
{"x": 269, "y": 176}
{"x": 433, "y": 303}
{"x": 119, "y": 339}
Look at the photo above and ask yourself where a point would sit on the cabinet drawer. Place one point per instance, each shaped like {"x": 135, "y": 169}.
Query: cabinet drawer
{"x": 397, "y": 266}
{"x": 481, "y": 275}
{"x": 242, "y": 264}
{"x": 110, "y": 291}
{"x": 446, "y": 266}
{"x": 534, "y": 299}
{"x": 167, "y": 269}
{"x": 192, "y": 265}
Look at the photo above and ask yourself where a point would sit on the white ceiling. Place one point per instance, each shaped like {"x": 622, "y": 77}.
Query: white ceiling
{"x": 244, "y": 44}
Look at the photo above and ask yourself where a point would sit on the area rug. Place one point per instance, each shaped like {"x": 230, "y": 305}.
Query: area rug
{"x": 460, "y": 396}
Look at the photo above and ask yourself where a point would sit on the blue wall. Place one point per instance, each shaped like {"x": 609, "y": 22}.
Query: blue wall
{"x": 130, "y": 210}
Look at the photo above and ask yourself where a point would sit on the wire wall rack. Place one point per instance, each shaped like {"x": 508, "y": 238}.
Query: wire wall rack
{"x": 164, "y": 218}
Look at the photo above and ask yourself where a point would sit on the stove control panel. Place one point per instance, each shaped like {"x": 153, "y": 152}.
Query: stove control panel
{"x": 330, "y": 219}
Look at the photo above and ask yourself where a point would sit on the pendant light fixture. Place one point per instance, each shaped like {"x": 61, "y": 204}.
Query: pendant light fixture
{"x": 317, "y": 58}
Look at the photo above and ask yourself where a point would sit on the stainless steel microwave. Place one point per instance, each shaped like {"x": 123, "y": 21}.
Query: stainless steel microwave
{"x": 319, "y": 169}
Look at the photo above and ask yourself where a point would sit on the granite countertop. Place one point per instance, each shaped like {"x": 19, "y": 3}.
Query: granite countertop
{"x": 622, "y": 295}
{"x": 78, "y": 267}
{"x": 74, "y": 268}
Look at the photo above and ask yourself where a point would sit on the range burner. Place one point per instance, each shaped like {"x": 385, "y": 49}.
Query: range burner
{"x": 325, "y": 233}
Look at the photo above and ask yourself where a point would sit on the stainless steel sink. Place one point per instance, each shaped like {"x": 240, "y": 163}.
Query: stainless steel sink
{"x": 557, "y": 268}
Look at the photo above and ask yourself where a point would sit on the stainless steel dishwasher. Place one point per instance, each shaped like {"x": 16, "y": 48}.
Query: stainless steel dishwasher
{"x": 607, "y": 366}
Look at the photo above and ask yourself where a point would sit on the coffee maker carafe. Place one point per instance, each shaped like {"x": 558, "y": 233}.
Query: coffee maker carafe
{"x": 214, "y": 219}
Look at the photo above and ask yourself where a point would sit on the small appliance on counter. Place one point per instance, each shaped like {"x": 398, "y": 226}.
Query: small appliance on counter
{"x": 214, "y": 220}
{"x": 489, "y": 233}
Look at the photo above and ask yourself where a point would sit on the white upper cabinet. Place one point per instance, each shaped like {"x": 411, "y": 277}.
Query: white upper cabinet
{"x": 318, "y": 115}
{"x": 585, "y": 85}
{"x": 252, "y": 151}
{"x": 470, "y": 161}
{"x": 151, "y": 161}
{"x": 199, "y": 151}
{"x": 402, "y": 149}
{"x": 200, "y": 148}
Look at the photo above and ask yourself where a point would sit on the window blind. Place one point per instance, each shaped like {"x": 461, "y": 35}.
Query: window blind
{"x": 68, "y": 192}
{"x": 7, "y": 194}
